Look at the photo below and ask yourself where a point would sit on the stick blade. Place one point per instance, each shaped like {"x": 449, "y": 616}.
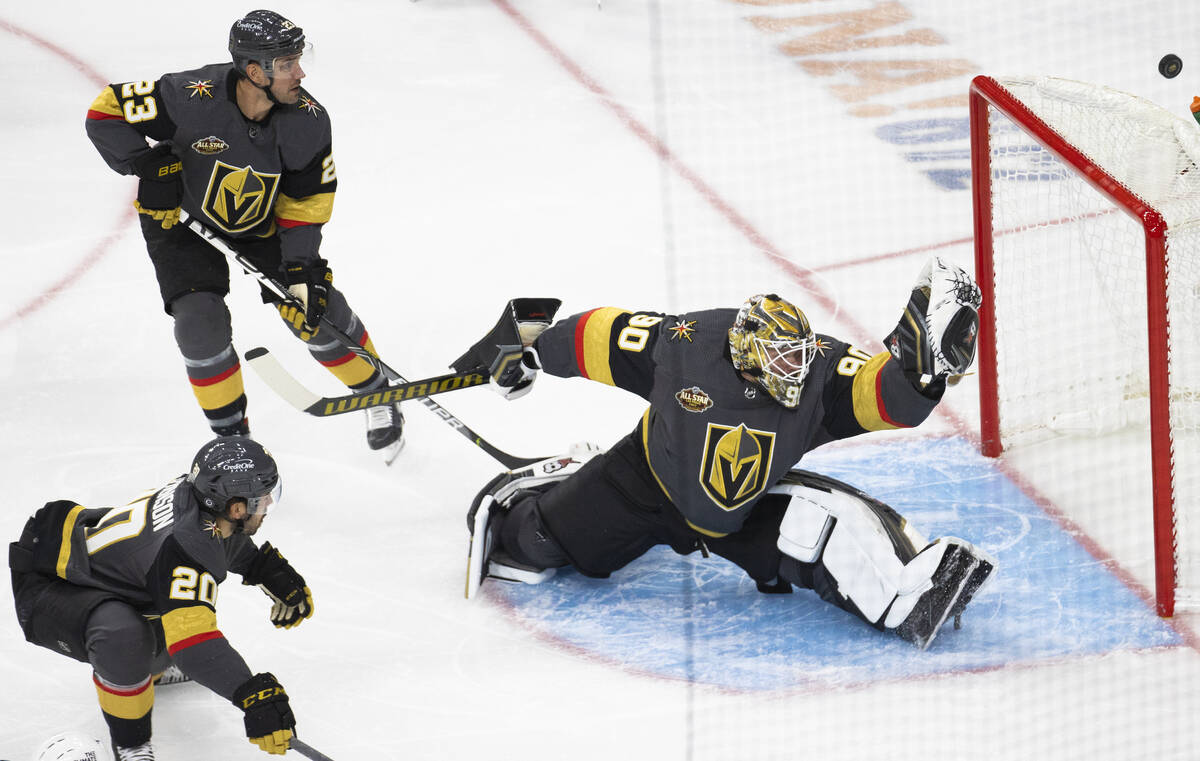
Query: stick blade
{"x": 280, "y": 380}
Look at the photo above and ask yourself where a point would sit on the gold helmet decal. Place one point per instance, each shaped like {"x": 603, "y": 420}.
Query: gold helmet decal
{"x": 239, "y": 198}
{"x": 771, "y": 341}
{"x": 736, "y": 464}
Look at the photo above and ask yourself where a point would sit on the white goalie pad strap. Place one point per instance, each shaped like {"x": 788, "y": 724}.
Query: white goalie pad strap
{"x": 548, "y": 471}
{"x": 805, "y": 527}
{"x": 856, "y": 549}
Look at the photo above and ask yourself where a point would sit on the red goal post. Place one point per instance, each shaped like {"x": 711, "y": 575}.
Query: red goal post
{"x": 1078, "y": 192}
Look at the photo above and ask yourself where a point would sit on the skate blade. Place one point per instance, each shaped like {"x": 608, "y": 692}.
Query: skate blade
{"x": 392, "y": 451}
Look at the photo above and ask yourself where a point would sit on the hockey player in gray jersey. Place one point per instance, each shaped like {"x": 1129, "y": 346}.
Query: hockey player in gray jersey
{"x": 244, "y": 148}
{"x": 737, "y": 397}
{"x": 131, "y": 589}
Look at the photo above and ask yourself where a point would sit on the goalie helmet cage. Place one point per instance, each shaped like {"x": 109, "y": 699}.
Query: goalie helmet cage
{"x": 1087, "y": 251}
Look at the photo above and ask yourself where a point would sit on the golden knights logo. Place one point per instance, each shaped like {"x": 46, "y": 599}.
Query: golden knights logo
{"x": 238, "y": 198}
{"x": 736, "y": 464}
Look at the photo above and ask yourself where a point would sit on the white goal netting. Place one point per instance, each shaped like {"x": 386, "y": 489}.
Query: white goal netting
{"x": 1073, "y": 326}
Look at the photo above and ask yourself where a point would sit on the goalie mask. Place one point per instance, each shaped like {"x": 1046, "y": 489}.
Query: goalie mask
{"x": 235, "y": 467}
{"x": 771, "y": 340}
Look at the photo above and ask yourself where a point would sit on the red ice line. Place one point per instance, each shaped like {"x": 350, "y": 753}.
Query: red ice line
{"x": 104, "y": 245}
{"x": 804, "y": 277}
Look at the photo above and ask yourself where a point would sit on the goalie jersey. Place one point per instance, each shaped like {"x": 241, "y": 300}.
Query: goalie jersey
{"x": 715, "y": 441}
{"x": 242, "y": 178}
{"x": 164, "y": 557}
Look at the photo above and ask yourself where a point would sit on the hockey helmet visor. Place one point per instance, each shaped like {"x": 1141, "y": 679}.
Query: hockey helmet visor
{"x": 265, "y": 503}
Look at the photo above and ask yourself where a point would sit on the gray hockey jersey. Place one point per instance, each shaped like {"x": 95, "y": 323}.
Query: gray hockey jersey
{"x": 164, "y": 557}
{"x": 241, "y": 177}
{"x": 715, "y": 441}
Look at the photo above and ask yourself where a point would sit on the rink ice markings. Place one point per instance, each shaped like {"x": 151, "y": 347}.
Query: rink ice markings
{"x": 1053, "y": 598}
{"x": 108, "y": 242}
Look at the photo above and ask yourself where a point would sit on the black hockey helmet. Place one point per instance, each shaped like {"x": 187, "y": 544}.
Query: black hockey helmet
{"x": 235, "y": 467}
{"x": 261, "y": 37}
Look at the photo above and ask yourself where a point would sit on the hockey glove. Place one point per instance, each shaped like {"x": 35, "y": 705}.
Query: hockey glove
{"x": 516, "y": 379}
{"x": 268, "y": 717}
{"x": 309, "y": 285}
{"x": 275, "y": 576}
{"x": 160, "y": 186}
{"x": 935, "y": 337}
{"x": 502, "y": 352}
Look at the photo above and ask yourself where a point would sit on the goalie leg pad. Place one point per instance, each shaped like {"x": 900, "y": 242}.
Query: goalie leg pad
{"x": 863, "y": 556}
{"x": 871, "y": 554}
{"x": 503, "y": 513}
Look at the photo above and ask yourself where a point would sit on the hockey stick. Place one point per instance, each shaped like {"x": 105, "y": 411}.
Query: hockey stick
{"x": 281, "y": 292}
{"x": 307, "y": 750}
{"x": 296, "y": 394}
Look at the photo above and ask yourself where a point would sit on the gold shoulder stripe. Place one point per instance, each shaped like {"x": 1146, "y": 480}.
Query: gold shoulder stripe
{"x": 64, "y": 549}
{"x": 868, "y": 405}
{"x": 595, "y": 340}
{"x": 182, "y": 624}
{"x": 314, "y": 210}
{"x": 106, "y": 104}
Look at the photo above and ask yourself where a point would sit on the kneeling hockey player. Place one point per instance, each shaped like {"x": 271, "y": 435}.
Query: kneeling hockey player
{"x": 131, "y": 589}
{"x": 737, "y": 396}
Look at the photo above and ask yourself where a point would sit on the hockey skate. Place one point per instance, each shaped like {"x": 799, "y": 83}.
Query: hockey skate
{"x": 385, "y": 430}
{"x": 484, "y": 559}
{"x": 963, "y": 570}
{"x": 171, "y": 675}
{"x": 143, "y": 752}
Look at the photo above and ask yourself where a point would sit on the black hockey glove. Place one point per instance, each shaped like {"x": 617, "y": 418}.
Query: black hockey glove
{"x": 269, "y": 719}
{"x": 160, "y": 186}
{"x": 935, "y": 337}
{"x": 309, "y": 285}
{"x": 275, "y": 576}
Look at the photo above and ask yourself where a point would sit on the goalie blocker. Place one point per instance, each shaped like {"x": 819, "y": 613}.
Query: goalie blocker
{"x": 851, "y": 549}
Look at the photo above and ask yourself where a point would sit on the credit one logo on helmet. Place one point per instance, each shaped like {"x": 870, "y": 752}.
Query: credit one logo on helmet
{"x": 239, "y": 198}
{"x": 736, "y": 464}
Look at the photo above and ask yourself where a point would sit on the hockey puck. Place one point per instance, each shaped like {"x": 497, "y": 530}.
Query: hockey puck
{"x": 1170, "y": 66}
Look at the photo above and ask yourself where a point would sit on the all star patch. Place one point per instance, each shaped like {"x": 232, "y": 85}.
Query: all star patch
{"x": 694, "y": 399}
{"x": 210, "y": 145}
{"x": 308, "y": 104}
{"x": 201, "y": 87}
{"x": 682, "y": 329}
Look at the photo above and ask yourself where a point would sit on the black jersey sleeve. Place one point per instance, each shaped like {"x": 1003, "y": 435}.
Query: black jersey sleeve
{"x": 184, "y": 593}
{"x": 309, "y": 181}
{"x": 121, "y": 118}
{"x": 867, "y": 392}
{"x": 607, "y": 345}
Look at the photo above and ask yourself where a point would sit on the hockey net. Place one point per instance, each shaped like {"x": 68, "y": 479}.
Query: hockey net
{"x": 1087, "y": 216}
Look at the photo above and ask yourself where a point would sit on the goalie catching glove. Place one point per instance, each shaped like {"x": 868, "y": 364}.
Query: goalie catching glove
{"x": 506, "y": 353}
{"x": 275, "y": 576}
{"x": 268, "y": 715}
{"x": 936, "y": 335}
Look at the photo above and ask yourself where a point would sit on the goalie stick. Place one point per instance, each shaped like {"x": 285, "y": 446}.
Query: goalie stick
{"x": 296, "y": 394}
{"x": 281, "y": 292}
